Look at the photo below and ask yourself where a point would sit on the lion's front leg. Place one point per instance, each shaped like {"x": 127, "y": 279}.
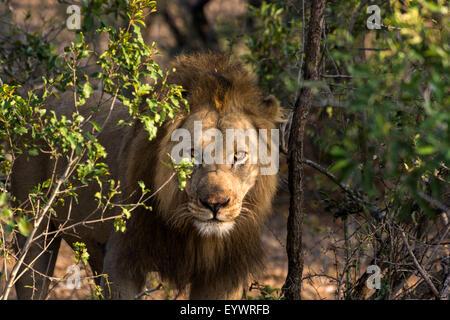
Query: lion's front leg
{"x": 125, "y": 278}
{"x": 207, "y": 292}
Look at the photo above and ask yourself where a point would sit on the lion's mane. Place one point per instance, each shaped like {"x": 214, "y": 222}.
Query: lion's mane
{"x": 181, "y": 255}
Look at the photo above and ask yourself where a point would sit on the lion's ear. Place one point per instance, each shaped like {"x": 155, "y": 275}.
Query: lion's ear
{"x": 271, "y": 107}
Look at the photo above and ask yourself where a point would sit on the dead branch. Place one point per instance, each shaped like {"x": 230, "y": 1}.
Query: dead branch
{"x": 148, "y": 291}
{"x": 418, "y": 266}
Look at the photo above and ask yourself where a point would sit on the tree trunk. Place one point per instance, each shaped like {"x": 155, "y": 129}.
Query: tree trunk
{"x": 293, "y": 284}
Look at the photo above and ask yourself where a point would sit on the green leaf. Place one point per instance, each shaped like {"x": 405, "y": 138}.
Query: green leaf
{"x": 24, "y": 226}
{"x": 3, "y": 199}
{"x": 87, "y": 89}
{"x": 96, "y": 126}
{"x": 426, "y": 150}
{"x": 33, "y": 152}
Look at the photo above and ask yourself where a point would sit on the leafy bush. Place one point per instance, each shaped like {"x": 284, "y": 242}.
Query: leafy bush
{"x": 382, "y": 132}
{"x": 127, "y": 72}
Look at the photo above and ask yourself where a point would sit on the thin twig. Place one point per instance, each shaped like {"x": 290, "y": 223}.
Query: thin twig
{"x": 333, "y": 178}
{"x": 434, "y": 202}
{"x": 147, "y": 291}
{"x": 302, "y": 51}
{"x": 355, "y": 15}
{"x": 418, "y": 266}
{"x": 335, "y": 76}
{"x": 37, "y": 223}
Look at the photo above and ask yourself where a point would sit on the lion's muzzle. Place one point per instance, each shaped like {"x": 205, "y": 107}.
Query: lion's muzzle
{"x": 214, "y": 202}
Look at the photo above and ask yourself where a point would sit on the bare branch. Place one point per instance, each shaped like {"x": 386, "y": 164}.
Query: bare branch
{"x": 148, "y": 291}
{"x": 418, "y": 266}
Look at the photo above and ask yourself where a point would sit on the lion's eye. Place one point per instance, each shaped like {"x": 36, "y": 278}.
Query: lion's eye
{"x": 194, "y": 153}
{"x": 240, "y": 157}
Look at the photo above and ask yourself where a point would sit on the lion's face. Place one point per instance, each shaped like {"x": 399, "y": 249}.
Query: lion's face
{"x": 232, "y": 186}
{"x": 226, "y": 148}
{"x": 216, "y": 189}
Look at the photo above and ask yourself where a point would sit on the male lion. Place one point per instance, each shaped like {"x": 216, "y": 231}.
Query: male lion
{"x": 206, "y": 237}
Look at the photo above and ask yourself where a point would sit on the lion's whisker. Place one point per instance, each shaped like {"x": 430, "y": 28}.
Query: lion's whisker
{"x": 250, "y": 214}
{"x": 244, "y": 203}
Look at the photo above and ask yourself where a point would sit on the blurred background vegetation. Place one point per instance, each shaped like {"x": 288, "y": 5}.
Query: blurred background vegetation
{"x": 378, "y": 139}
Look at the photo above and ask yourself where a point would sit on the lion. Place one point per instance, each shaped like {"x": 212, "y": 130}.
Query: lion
{"x": 204, "y": 238}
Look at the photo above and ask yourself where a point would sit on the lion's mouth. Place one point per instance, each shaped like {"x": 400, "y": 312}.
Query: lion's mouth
{"x": 213, "y": 227}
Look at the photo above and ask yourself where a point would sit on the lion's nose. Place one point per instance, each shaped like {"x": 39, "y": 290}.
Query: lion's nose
{"x": 214, "y": 204}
